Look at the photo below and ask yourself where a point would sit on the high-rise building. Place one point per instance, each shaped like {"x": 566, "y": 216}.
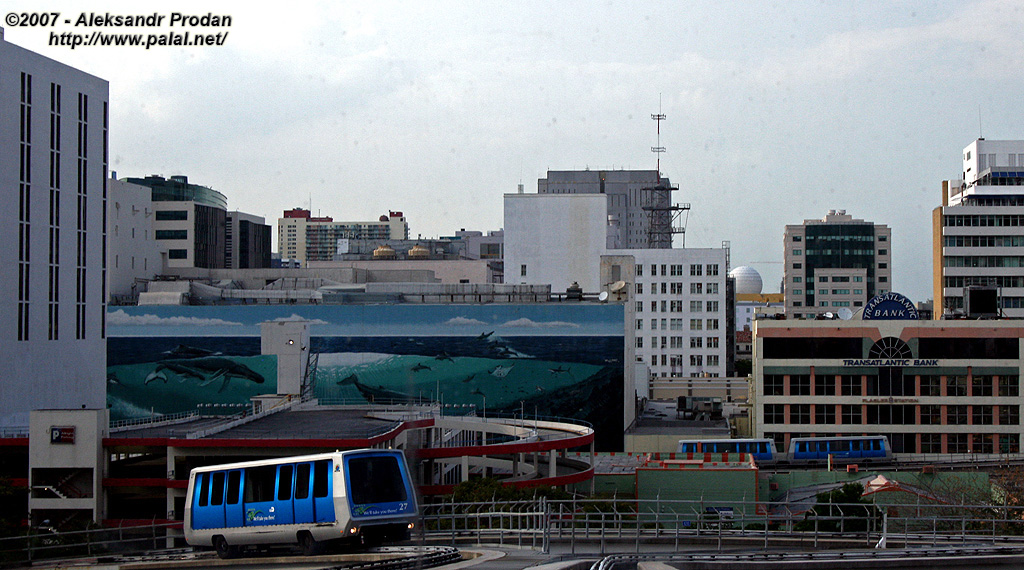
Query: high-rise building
{"x": 246, "y": 241}
{"x": 640, "y": 209}
{"x": 835, "y": 263}
{"x": 307, "y": 238}
{"x": 978, "y": 231}
{"x": 53, "y": 164}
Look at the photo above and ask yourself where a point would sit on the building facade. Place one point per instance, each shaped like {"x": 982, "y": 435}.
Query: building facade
{"x": 930, "y": 386}
{"x": 835, "y": 263}
{"x": 307, "y": 238}
{"x": 53, "y": 164}
{"x": 134, "y": 254}
{"x": 189, "y": 222}
{"x": 979, "y": 229}
{"x": 246, "y": 241}
{"x": 640, "y": 213}
{"x": 677, "y": 310}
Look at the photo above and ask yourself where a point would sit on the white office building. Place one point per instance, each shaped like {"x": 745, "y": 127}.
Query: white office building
{"x": 53, "y": 164}
{"x": 133, "y": 255}
{"x": 978, "y": 231}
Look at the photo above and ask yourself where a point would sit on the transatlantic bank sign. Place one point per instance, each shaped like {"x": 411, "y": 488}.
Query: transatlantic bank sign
{"x": 890, "y": 362}
{"x": 890, "y": 306}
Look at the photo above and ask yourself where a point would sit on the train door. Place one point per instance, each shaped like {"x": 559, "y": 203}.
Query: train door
{"x": 234, "y": 515}
{"x": 283, "y": 505}
{"x": 259, "y": 495}
{"x": 303, "y": 499}
{"x": 323, "y": 491}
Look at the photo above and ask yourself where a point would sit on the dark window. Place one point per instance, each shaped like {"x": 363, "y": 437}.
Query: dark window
{"x": 931, "y": 386}
{"x": 321, "y": 472}
{"x": 981, "y": 386}
{"x": 1009, "y": 415}
{"x": 773, "y": 385}
{"x": 202, "y": 481}
{"x": 825, "y": 385}
{"x": 931, "y": 415}
{"x": 800, "y": 413}
{"x": 302, "y": 481}
{"x": 800, "y": 385}
{"x": 376, "y": 480}
{"x": 171, "y": 234}
{"x": 234, "y": 480}
{"x": 851, "y": 413}
{"x": 969, "y": 348}
{"x": 171, "y": 215}
{"x": 284, "y": 483}
{"x": 1009, "y": 386}
{"x": 956, "y": 415}
{"x": 791, "y": 348}
{"x": 217, "y": 495}
{"x": 956, "y": 385}
{"x": 981, "y": 415}
{"x": 824, "y": 414}
{"x": 177, "y": 254}
{"x": 259, "y": 484}
{"x": 851, "y": 385}
{"x": 956, "y": 443}
{"x": 774, "y": 414}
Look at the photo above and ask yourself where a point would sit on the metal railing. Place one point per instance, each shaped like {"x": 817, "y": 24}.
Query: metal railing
{"x": 41, "y": 544}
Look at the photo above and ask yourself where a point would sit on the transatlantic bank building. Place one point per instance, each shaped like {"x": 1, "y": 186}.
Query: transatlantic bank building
{"x": 948, "y": 386}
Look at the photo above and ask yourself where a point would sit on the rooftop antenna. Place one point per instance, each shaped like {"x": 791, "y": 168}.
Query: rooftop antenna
{"x": 658, "y": 149}
{"x": 981, "y": 135}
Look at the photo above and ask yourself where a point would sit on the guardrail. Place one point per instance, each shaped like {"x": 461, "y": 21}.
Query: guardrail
{"x": 39, "y": 544}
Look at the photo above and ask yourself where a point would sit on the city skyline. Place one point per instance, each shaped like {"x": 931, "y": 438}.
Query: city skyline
{"x": 438, "y": 111}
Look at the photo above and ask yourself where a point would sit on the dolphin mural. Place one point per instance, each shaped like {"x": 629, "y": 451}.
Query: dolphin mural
{"x": 206, "y": 370}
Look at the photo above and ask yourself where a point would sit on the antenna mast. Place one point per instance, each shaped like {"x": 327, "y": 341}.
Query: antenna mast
{"x": 659, "y": 117}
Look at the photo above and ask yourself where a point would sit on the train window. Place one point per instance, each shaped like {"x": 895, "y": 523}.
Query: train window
{"x": 259, "y": 484}
{"x": 202, "y": 482}
{"x": 234, "y": 482}
{"x": 302, "y": 481}
{"x": 217, "y": 496}
{"x": 321, "y": 471}
{"x": 284, "y": 483}
{"x": 376, "y": 480}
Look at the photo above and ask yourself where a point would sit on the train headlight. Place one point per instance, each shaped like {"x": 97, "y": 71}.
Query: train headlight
{"x": 354, "y": 530}
{"x": 411, "y": 525}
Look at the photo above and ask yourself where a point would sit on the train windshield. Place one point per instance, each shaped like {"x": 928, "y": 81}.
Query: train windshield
{"x": 376, "y": 479}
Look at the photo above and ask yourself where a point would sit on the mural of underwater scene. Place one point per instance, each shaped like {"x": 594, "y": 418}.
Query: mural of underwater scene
{"x": 548, "y": 359}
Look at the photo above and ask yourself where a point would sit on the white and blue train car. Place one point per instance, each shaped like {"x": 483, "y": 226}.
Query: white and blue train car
{"x": 363, "y": 496}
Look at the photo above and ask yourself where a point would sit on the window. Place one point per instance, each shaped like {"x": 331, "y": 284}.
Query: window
{"x": 883, "y": 252}
{"x": 931, "y": 386}
{"x": 851, "y": 413}
{"x": 696, "y": 324}
{"x": 696, "y": 360}
{"x": 639, "y": 270}
{"x": 639, "y": 288}
{"x": 654, "y": 270}
{"x": 696, "y": 306}
{"x": 664, "y": 343}
{"x": 664, "y": 306}
{"x": 676, "y": 324}
{"x": 981, "y": 415}
{"x": 234, "y": 484}
{"x": 171, "y": 234}
{"x": 171, "y": 215}
{"x": 824, "y": 414}
{"x": 1009, "y": 386}
{"x": 956, "y": 443}
{"x": 851, "y": 385}
{"x": 695, "y": 288}
{"x": 798, "y": 279}
{"x": 639, "y": 342}
{"x": 798, "y": 252}
{"x": 676, "y": 342}
{"x": 800, "y": 385}
{"x": 663, "y": 288}
{"x": 712, "y": 288}
{"x": 956, "y": 415}
{"x": 824, "y": 385}
{"x": 981, "y": 386}
{"x": 1009, "y": 415}
{"x": 774, "y": 413}
{"x": 798, "y": 266}
{"x": 284, "y": 487}
{"x": 823, "y": 291}
{"x": 676, "y": 288}
{"x": 883, "y": 238}
{"x": 712, "y": 269}
{"x": 676, "y": 270}
{"x": 712, "y": 342}
{"x": 931, "y": 415}
{"x": 712, "y": 360}
{"x": 177, "y": 254}
{"x": 883, "y": 279}
{"x": 882, "y": 266}
{"x": 956, "y": 386}
{"x": 712, "y": 324}
{"x": 798, "y": 291}
{"x": 712, "y": 306}
{"x": 522, "y": 270}
{"x": 696, "y": 342}
{"x": 654, "y": 306}
{"x": 217, "y": 494}
{"x": 798, "y": 238}
{"x": 799, "y": 413}
{"x": 639, "y": 306}
{"x": 695, "y": 270}
{"x": 931, "y": 443}
{"x": 259, "y": 483}
{"x": 858, "y": 291}
{"x": 773, "y": 384}
{"x": 639, "y": 324}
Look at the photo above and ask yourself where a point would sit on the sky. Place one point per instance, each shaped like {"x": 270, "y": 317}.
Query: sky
{"x": 776, "y": 111}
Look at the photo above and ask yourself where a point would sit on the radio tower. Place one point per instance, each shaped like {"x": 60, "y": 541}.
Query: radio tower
{"x": 663, "y": 217}
{"x": 659, "y": 117}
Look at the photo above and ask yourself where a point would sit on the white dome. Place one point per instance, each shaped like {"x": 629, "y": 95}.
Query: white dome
{"x": 748, "y": 280}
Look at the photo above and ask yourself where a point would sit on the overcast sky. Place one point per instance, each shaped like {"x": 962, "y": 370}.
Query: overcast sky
{"x": 777, "y": 112}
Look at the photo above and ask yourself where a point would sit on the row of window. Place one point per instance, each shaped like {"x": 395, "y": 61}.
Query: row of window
{"x": 932, "y": 442}
{"x": 1006, "y": 386}
{"x": 678, "y": 342}
{"x": 983, "y": 261}
{"x": 892, "y": 414}
{"x": 677, "y": 288}
{"x": 983, "y": 220}
{"x": 983, "y": 241}
{"x": 841, "y": 251}
{"x": 834, "y": 278}
{"x": 676, "y": 270}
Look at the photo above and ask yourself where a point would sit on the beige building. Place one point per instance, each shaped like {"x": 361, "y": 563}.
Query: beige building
{"x": 835, "y": 263}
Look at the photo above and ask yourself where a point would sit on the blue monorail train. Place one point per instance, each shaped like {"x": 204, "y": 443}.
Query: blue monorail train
{"x": 843, "y": 449}
{"x": 362, "y": 496}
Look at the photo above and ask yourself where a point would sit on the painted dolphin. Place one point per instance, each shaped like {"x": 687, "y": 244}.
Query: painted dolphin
{"x": 420, "y": 366}
{"x": 444, "y": 356}
{"x": 559, "y": 370}
{"x": 484, "y": 336}
{"x": 380, "y": 393}
{"x": 205, "y": 370}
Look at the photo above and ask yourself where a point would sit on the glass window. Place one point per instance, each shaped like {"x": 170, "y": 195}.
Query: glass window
{"x": 981, "y": 386}
{"x": 1009, "y": 386}
{"x": 321, "y": 476}
{"x": 800, "y": 385}
{"x": 217, "y": 495}
{"x": 284, "y": 484}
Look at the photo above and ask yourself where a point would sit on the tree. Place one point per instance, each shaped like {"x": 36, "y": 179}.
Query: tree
{"x": 844, "y": 509}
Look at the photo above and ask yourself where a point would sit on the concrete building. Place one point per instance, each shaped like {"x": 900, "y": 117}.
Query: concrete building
{"x": 677, "y": 309}
{"x": 246, "y": 241}
{"x": 979, "y": 229}
{"x": 834, "y": 263}
{"x": 640, "y": 210}
{"x": 53, "y": 164}
{"x": 189, "y": 221}
{"x": 555, "y": 240}
{"x": 133, "y": 255}
{"x": 930, "y": 386}
{"x": 307, "y": 238}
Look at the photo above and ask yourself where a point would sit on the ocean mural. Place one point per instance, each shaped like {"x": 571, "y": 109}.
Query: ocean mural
{"x": 560, "y": 360}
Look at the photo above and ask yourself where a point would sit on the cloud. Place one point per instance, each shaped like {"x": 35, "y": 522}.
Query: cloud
{"x": 524, "y": 322}
{"x": 119, "y": 317}
{"x": 464, "y": 322}
{"x": 295, "y": 317}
